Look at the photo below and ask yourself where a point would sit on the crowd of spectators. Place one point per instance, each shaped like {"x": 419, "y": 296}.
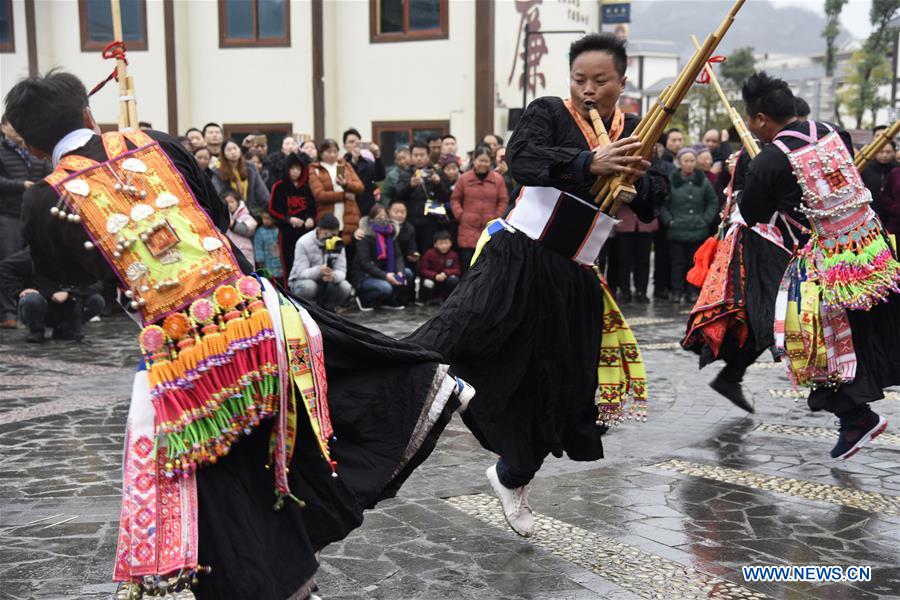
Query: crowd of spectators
{"x": 337, "y": 226}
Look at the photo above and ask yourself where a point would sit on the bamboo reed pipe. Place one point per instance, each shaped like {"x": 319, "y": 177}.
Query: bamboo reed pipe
{"x": 868, "y": 152}
{"x": 736, "y": 120}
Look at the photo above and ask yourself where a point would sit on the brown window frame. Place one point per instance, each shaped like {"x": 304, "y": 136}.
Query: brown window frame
{"x": 376, "y": 37}
{"x": 10, "y": 46}
{"x": 378, "y": 127}
{"x": 91, "y": 46}
{"x": 229, "y": 129}
{"x": 227, "y": 42}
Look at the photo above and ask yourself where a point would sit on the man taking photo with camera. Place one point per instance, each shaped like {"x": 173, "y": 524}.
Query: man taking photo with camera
{"x": 425, "y": 198}
{"x": 319, "y": 273}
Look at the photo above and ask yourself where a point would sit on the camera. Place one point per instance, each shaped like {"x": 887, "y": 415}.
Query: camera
{"x": 333, "y": 247}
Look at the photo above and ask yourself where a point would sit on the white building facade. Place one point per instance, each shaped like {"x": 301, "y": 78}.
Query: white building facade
{"x": 394, "y": 69}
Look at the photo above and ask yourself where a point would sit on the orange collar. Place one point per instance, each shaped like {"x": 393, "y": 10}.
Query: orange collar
{"x": 587, "y": 130}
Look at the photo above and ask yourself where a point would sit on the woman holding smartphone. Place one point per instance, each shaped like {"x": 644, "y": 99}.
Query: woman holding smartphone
{"x": 334, "y": 185}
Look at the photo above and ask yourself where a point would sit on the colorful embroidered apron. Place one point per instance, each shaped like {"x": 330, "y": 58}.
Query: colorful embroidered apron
{"x": 217, "y": 359}
{"x": 846, "y": 265}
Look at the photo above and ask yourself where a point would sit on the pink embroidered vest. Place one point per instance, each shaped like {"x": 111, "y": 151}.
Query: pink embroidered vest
{"x": 848, "y": 252}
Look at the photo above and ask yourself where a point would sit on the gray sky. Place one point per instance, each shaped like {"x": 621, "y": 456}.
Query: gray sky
{"x": 854, "y": 17}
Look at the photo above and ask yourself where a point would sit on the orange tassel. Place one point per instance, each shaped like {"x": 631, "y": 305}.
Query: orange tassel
{"x": 703, "y": 258}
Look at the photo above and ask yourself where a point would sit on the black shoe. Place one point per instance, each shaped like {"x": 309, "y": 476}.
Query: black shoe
{"x": 660, "y": 294}
{"x": 733, "y": 391}
{"x": 624, "y": 297}
{"x": 35, "y": 337}
{"x": 642, "y": 299}
{"x": 67, "y": 336}
{"x": 855, "y": 432}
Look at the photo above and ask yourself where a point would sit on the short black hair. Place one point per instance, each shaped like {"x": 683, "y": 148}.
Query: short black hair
{"x": 418, "y": 144}
{"x": 495, "y": 136}
{"x": 192, "y": 129}
{"x": 433, "y": 138}
{"x": 448, "y": 137}
{"x": 208, "y": 125}
{"x": 601, "y": 42}
{"x": 443, "y": 234}
{"x": 396, "y": 201}
{"x": 801, "y": 107}
{"x": 672, "y": 130}
{"x": 44, "y": 109}
{"x": 349, "y": 132}
{"x": 878, "y": 128}
{"x": 770, "y": 96}
{"x": 145, "y": 125}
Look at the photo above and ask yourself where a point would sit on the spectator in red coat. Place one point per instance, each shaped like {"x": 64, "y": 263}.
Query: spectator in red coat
{"x": 440, "y": 270}
{"x": 478, "y": 197}
{"x": 888, "y": 203}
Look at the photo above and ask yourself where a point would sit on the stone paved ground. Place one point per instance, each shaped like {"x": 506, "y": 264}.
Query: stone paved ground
{"x": 680, "y": 504}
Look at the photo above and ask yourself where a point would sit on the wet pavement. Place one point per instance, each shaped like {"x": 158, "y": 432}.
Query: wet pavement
{"x": 679, "y": 505}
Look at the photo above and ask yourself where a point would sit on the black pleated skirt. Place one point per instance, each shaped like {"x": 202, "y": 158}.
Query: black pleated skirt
{"x": 524, "y": 327}
{"x": 380, "y": 391}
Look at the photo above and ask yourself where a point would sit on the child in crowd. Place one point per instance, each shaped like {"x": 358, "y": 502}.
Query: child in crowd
{"x": 266, "y": 247}
{"x": 440, "y": 270}
{"x": 242, "y": 225}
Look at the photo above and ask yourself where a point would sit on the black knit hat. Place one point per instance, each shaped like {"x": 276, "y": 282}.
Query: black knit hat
{"x": 329, "y": 221}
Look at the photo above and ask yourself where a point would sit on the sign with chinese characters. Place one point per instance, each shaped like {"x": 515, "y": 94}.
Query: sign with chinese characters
{"x": 548, "y": 67}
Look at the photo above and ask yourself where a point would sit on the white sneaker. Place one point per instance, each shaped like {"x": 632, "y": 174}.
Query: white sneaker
{"x": 515, "y": 504}
{"x": 363, "y": 307}
{"x": 464, "y": 393}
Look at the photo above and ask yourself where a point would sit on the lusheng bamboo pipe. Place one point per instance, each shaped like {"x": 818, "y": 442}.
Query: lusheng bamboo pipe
{"x": 599, "y": 128}
{"x": 746, "y": 138}
{"x": 868, "y": 152}
{"x": 127, "y": 105}
{"x": 618, "y": 189}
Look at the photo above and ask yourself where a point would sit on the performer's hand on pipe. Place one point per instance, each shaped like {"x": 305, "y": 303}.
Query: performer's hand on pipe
{"x": 617, "y": 158}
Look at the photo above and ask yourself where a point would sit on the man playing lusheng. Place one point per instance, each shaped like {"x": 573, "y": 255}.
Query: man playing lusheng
{"x": 525, "y": 323}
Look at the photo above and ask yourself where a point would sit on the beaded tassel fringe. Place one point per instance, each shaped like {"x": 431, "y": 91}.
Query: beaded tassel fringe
{"x": 213, "y": 374}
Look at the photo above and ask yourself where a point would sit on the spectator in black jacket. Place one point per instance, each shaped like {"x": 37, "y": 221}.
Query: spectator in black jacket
{"x": 42, "y": 302}
{"x": 19, "y": 170}
{"x": 379, "y": 275}
{"x": 293, "y": 206}
{"x": 435, "y": 145}
{"x": 425, "y": 198}
{"x": 406, "y": 239}
{"x": 877, "y": 171}
{"x": 275, "y": 161}
{"x": 369, "y": 172}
